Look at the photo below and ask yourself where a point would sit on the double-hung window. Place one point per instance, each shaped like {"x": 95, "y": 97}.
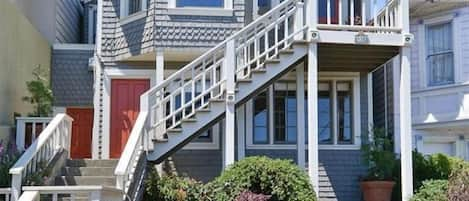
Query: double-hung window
{"x": 261, "y": 118}
{"x": 285, "y": 120}
{"x": 439, "y": 58}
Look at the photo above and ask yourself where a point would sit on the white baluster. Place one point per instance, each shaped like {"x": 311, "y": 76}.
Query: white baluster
{"x": 328, "y": 11}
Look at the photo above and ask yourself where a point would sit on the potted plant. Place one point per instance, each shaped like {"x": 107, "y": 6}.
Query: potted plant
{"x": 379, "y": 156}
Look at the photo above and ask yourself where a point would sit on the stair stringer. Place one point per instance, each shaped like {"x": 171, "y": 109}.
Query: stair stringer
{"x": 205, "y": 119}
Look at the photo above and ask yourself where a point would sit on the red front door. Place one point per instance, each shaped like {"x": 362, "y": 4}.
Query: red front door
{"x": 82, "y": 129}
{"x": 125, "y": 105}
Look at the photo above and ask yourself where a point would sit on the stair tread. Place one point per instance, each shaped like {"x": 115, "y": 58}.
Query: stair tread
{"x": 91, "y": 163}
{"x": 88, "y": 171}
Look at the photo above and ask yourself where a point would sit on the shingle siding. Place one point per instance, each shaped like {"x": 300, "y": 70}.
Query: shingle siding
{"x": 159, "y": 29}
{"x": 72, "y": 80}
{"x": 68, "y": 21}
{"x": 202, "y": 165}
{"x": 339, "y": 175}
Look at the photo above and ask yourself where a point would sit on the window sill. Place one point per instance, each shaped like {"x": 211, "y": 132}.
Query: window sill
{"x": 201, "y": 11}
{"x": 135, "y": 16}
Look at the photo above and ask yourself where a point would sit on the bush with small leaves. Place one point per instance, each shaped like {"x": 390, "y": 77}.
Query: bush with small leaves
{"x": 172, "y": 188}
{"x": 281, "y": 179}
{"x": 250, "y": 196}
{"x": 459, "y": 185}
{"x": 432, "y": 190}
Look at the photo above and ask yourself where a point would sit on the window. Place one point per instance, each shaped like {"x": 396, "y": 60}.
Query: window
{"x": 135, "y": 6}
{"x": 274, "y": 113}
{"x": 261, "y": 118}
{"x": 344, "y": 113}
{"x": 439, "y": 59}
{"x": 285, "y": 113}
{"x": 129, "y": 7}
{"x": 200, "y": 3}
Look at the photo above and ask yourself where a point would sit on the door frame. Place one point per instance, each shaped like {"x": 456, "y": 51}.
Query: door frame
{"x": 110, "y": 74}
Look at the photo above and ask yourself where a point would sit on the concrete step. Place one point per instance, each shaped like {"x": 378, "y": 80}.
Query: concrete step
{"x": 85, "y": 180}
{"x": 88, "y": 171}
{"x": 92, "y": 163}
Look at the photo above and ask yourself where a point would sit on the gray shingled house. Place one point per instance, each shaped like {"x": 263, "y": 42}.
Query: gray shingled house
{"x": 195, "y": 85}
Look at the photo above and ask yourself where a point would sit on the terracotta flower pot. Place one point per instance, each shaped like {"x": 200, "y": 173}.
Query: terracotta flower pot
{"x": 377, "y": 190}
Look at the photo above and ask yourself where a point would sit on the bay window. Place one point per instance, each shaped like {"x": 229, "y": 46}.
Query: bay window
{"x": 439, "y": 58}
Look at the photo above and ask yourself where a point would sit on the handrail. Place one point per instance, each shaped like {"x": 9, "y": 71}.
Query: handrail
{"x": 54, "y": 138}
{"x": 133, "y": 151}
{"x": 220, "y": 45}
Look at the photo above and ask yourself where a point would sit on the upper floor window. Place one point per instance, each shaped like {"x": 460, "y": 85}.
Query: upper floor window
{"x": 200, "y": 3}
{"x": 129, "y": 7}
{"x": 439, "y": 58}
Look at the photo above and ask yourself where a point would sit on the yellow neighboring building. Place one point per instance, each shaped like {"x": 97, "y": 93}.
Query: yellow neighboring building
{"x": 22, "y": 49}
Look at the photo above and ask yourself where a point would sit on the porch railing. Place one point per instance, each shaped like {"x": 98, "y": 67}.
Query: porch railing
{"x": 53, "y": 139}
{"x": 365, "y": 16}
{"x": 28, "y": 129}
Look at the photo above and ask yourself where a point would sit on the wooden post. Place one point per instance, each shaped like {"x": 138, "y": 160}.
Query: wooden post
{"x": 405, "y": 124}
{"x": 229, "y": 67}
{"x": 299, "y": 20}
{"x": 300, "y": 108}
{"x": 313, "y": 155}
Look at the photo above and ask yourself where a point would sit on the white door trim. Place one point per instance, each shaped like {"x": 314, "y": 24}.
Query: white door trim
{"x": 110, "y": 74}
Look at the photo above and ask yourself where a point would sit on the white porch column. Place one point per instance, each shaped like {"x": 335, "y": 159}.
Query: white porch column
{"x": 313, "y": 155}
{"x": 406, "y": 125}
{"x": 300, "y": 108}
{"x": 229, "y": 72}
{"x": 159, "y": 78}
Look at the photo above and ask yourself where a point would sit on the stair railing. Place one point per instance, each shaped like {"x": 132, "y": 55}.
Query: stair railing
{"x": 126, "y": 169}
{"x": 52, "y": 140}
{"x": 191, "y": 88}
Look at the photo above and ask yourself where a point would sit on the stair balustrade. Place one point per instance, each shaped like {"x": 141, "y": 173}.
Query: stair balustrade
{"x": 52, "y": 140}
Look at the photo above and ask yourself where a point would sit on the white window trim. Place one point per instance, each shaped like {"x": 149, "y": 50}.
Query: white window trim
{"x": 91, "y": 29}
{"x": 227, "y": 10}
{"x": 422, "y": 31}
{"x": 323, "y": 76}
{"x": 124, "y": 12}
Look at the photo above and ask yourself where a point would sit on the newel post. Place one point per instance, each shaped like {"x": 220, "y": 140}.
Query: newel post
{"x": 15, "y": 186}
{"x": 229, "y": 68}
{"x": 20, "y": 133}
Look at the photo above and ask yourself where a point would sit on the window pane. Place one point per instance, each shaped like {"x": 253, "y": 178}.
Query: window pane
{"x": 260, "y": 119}
{"x": 200, "y": 3}
{"x": 439, "y": 42}
{"x": 285, "y": 113}
{"x": 344, "y": 113}
{"x": 135, "y": 6}
{"x": 324, "y": 117}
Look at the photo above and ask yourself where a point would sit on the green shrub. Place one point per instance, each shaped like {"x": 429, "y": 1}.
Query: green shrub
{"x": 281, "y": 179}
{"x": 379, "y": 156}
{"x": 432, "y": 190}
{"x": 459, "y": 185}
{"x": 172, "y": 188}
{"x": 432, "y": 167}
